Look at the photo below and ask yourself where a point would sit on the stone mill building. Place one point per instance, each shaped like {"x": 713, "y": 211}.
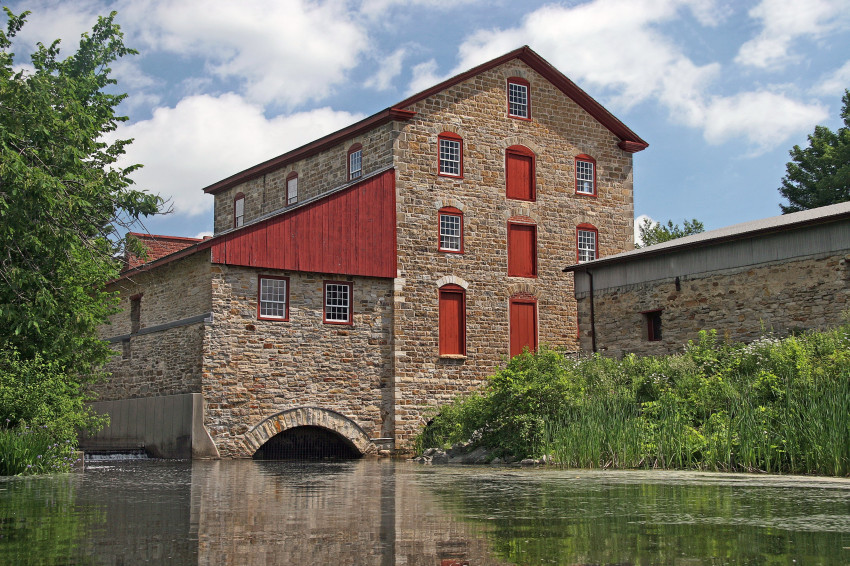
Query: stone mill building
{"x": 355, "y": 284}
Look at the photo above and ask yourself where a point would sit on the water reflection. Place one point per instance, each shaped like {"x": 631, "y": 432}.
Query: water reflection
{"x": 379, "y": 512}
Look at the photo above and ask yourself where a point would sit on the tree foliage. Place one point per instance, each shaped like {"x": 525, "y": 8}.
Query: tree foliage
{"x": 63, "y": 205}
{"x": 652, "y": 233}
{"x": 819, "y": 174}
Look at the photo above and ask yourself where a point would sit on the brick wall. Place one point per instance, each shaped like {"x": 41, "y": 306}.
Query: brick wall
{"x": 741, "y": 304}
{"x": 254, "y": 368}
{"x": 559, "y": 130}
{"x": 316, "y": 175}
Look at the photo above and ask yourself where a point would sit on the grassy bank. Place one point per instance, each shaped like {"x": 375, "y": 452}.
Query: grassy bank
{"x": 772, "y": 405}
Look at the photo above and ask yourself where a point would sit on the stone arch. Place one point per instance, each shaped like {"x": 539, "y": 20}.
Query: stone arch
{"x": 454, "y": 203}
{"x": 309, "y": 416}
{"x": 522, "y": 212}
{"x": 528, "y": 143}
{"x": 523, "y": 289}
{"x": 453, "y": 280}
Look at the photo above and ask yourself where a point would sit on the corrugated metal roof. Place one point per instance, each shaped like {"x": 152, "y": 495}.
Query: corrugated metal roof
{"x": 743, "y": 230}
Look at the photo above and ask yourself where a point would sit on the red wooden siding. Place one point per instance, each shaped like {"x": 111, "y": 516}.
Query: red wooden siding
{"x": 452, "y": 321}
{"x": 522, "y": 250}
{"x": 519, "y": 175}
{"x": 352, "y": 232}
{"x": 523, "y": 325}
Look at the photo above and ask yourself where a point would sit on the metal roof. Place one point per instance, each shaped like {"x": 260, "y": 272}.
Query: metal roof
{"x": 782, "y": 223}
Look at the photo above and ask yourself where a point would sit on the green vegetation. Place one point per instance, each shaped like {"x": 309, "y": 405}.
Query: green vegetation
{"x": 819, "y": 174}
{"x": 651, "y": 233}
{"x": 63, "y": 206}
{"x": 774, "y": 405}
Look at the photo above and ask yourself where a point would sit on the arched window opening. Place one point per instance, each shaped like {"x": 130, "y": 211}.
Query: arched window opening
{"x": 307, "y": 443}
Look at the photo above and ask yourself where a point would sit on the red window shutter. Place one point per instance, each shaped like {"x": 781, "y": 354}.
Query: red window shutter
{"x": 452, "y": 322}
{"x": 520, "y": 176}
{"x": 523, "y": 326}
{"x": 522, "y": 250}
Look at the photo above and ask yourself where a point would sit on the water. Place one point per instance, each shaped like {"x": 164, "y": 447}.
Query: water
{"x": 382, "y": 513}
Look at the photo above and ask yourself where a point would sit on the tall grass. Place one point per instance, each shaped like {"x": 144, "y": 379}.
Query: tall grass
{"x": 27, "y": 451}
{"x": 779, "y": 406}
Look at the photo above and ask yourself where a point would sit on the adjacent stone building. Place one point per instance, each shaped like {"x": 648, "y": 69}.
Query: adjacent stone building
{"x": 358, "y": 282}
{"x": 774, "y": 275}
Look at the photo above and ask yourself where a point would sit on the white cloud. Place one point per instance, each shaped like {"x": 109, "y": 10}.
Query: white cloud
{"x": 835, "y": 82}
{"x": 282, "y": 52}
{"x": 205, "y": 139}
{"x": 617, "y": 47}
{"x": 49, "y": 21}
{"x": 783, "y": 21}
{"x": 389, "y": 70}
{"x": 424, "y": 76}
{"x": 379, "y": 8}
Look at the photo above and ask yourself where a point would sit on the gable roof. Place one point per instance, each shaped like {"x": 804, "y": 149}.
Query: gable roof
{"x": 744, "y": 230}
{"x": 629, "y": 141}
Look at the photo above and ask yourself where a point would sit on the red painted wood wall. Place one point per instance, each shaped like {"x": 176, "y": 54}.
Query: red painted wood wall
{"x": 352, "y": 232}
{"x": 523, "y": 325}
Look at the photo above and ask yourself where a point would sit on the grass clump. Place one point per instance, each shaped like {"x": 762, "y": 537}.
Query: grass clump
{"x": 780, "y": 406}
{"x": 26, "y": 451}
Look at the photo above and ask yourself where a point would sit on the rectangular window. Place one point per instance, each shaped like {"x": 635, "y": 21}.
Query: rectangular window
{"x": 338, "y": 302}
{"x": 518, "y": 100}
{"x": 585, "y": 177}
{"x": 586, "y": 245}
{"x": 292, "y": 190}
{"x": 239, "y": 212}
{"x": 653, "y": 325}
{"x": 451, "y": 231}
{"x": 135, "y": 313}
{"x": 522, "y": 250}
{"x": 274, "y": 298}
{"x": 355, "y": 164}
{"x": 450, "y": 152}
{"x": 452, "y": 321}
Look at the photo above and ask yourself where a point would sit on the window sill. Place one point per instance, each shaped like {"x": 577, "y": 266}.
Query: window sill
{"x": 452, "y": 357}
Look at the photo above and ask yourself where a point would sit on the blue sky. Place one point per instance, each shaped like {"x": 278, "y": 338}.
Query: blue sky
{"x": 721, "y": 90}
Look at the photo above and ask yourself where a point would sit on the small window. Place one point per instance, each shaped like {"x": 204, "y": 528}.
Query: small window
{"x": 519, "y": 173}
{"x": 519, "y": 100}
{"x": 587, "y": 248}
{"x": 135, "y": 313}
{"x": 653, "y": 325}
{"x": 522, "y": 250}
{"x": 451, "y": 230}
{"x": 452, "y": 320}
{"x": 355, "y": 161}
{"x": 585, "y": 175}
{"x": 451, "y": 154}
{"x": 238, "y": 210}
{"x": 274, "y": 298}
{"x": 292, "y": 188}
{"x": 338, "y": 302}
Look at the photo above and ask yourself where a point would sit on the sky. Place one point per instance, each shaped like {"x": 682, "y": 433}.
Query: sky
{"x": 721, "y": 90}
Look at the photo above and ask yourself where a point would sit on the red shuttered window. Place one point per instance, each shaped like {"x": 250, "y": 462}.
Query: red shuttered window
{"x": 522, "y": 250}
{"x": 452, "y": 320}
{"x": 519, "y": 173}
{"x": 523, "y": 324}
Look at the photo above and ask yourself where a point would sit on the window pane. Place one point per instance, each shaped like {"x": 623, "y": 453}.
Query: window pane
{"x": 450, "y": 157}
{"x": 337, "y": 302}
{"x": 450, "y": 232}
{"x": 239, "y": 212}
{"x": 355, "y": 161}
{"x": 518, "y": 100}
{"x": 273, "y": 298}
{"x": 586, "y": 245}
{"x": 292, "y": 191}
{"x": 584, "y": 177}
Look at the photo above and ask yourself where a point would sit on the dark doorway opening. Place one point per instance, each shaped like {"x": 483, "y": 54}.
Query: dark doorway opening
{"x": 307, "y": 443}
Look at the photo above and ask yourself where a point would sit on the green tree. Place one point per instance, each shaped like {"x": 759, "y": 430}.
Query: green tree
{"x": 652, "y": 233}
{"x": 819, "y": 175}
{"x": 63, "y": 203}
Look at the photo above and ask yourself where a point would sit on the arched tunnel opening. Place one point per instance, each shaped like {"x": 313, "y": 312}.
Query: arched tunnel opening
{"x": 307, "y": 443}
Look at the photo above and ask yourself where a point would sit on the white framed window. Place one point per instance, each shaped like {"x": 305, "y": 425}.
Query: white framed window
{"x": 355, "y": 162}
{"x": 586, "y": 237}
{"x": 585, "y": 176}
{"x": 338, "y": 302}
{"x": 518, "y": 103}
{"x": 451, "y": 155}
{"x": 239, "y": 210}
{"x": 274, "y": 298}
{"x": 451, "y": 230}
{"x": 292, "y": 189}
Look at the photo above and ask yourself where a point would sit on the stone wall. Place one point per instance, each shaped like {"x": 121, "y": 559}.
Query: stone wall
{"x": 558, "y": 131}
{"x": 741, "y": 304}
{"x": 254, "y": 369}
{"x": 316, "y": 175}
{"x": 168, "y": 361}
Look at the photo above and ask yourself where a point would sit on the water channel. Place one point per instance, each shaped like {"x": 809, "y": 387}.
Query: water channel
{"x": 372, "y": 512}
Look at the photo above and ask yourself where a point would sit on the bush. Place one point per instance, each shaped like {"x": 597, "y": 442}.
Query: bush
{"x": 25, "y": 451}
